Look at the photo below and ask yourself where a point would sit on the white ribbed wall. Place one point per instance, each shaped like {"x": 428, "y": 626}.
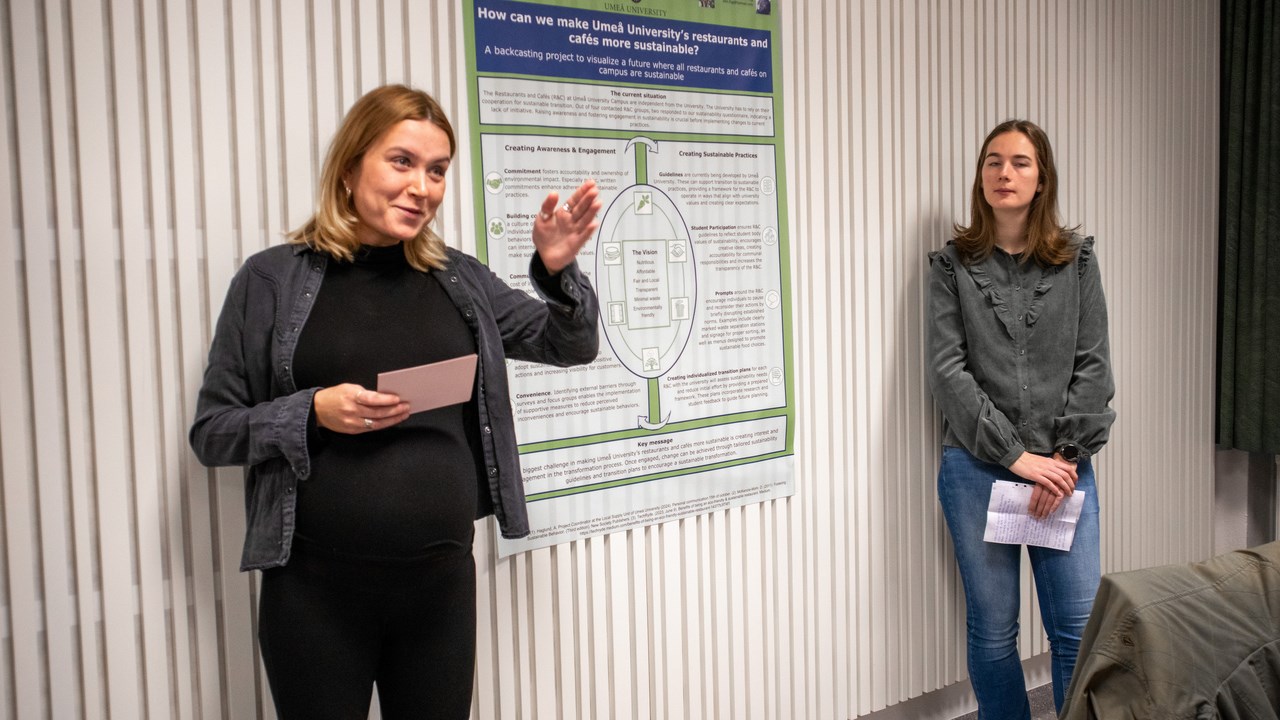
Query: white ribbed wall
{"x": 152, "y": 145}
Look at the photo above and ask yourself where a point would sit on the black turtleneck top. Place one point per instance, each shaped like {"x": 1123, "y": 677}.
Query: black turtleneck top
{"x": 391, "y": 493}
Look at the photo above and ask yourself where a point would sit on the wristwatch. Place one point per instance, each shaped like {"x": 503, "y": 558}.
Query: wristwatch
{"x": 1069, "y": 452}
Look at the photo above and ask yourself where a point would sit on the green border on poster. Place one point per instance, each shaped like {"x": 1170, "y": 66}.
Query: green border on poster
{"x": 730, "y": 13}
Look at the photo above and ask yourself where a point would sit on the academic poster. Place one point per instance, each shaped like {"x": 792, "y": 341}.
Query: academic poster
{"x": 674, "y": 107}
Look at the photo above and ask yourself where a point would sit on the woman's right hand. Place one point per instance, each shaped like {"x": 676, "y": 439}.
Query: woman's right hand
{"x": 1054, "y": 477}
{"x": 351, "y": 409}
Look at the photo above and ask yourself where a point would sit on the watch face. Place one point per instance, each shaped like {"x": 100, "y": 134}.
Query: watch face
{"x": 1069, "y": 452}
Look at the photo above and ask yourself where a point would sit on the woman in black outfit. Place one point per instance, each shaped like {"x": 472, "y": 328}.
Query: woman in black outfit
{"x": 360, "y": 514}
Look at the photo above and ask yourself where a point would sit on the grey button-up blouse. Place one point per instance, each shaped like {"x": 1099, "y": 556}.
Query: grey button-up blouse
{"x": 1018, "y": 354}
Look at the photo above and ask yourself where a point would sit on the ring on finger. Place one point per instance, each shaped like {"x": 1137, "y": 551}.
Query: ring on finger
{"x": 368, "y": 424}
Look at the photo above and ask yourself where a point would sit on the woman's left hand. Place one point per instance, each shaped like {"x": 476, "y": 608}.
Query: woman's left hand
{"x": 1043, "y": 503}
{"x": 560, "y": 230}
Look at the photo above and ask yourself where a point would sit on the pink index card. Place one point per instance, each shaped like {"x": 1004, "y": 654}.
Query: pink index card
{"x": 437, "y": 384}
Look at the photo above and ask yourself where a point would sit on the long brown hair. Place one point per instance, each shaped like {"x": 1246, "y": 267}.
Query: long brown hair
{"x": 332, "y": 230}
{"x": 1048, "y": 241}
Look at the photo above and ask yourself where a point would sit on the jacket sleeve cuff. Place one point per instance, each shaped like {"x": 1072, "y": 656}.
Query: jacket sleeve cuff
{"x": 562, "y": 290}
{"x": 296, "y": 427}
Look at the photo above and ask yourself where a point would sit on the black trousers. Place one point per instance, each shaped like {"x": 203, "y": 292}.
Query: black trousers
{"x": 331, "y": 627}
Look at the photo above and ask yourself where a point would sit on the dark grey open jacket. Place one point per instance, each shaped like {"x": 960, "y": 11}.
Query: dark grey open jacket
{"x": 1019, "y": 358}
{"x": 250, "y": 413}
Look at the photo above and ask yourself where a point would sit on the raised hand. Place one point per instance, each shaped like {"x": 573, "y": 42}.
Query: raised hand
{"x": 560, "y": 230}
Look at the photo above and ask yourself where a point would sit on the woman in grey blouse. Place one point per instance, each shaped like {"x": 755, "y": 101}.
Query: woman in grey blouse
{"x": 1019, "y": 365}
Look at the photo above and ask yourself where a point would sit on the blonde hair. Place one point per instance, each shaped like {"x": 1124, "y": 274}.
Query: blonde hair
{"x": 1048, "y": 242}
{"x": 332, "y": 230}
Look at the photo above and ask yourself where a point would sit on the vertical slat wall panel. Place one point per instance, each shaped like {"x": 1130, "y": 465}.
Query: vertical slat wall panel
{"x": 10, "y": 356}
{"x": 142, "y": 390}
{"x": 112, "y": 476}
{"x": 151, "y": 146}
{"x": 26, "y": 676}
{"x": 28, "y": 683}
{"x": 75, "y": 378}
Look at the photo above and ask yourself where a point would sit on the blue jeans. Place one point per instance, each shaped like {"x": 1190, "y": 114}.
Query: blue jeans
{"x": 1066, "y": 583}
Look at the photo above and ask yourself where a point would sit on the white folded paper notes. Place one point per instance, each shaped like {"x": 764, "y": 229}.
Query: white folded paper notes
{"x": 1010, "y": 522}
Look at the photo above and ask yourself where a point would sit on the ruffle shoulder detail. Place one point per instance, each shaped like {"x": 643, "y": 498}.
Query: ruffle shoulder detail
{"x": 945, "y": 258}
{"x": 1084, "y": 253}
